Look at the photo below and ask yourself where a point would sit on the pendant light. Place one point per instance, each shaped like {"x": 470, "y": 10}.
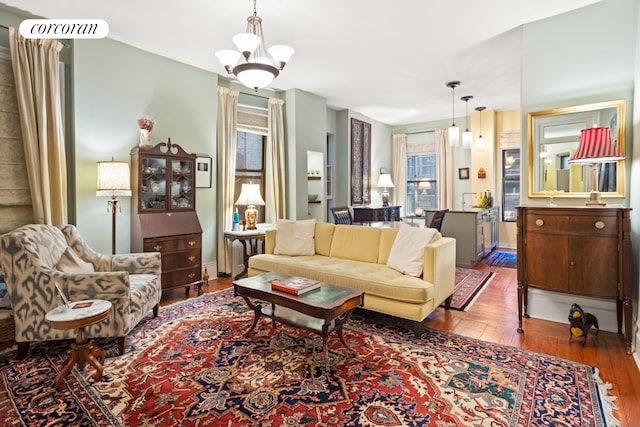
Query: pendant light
{"x": 467, "y": 136}
{"x": 454, "y": 131}
{"x": 481, "y": 143}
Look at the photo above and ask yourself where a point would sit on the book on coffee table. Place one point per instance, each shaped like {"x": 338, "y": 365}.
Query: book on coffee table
{"x": 295, "y": 285}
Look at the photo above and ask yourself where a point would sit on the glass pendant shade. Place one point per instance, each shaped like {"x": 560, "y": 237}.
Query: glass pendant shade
{"x": 255, "y": 76}
{"x": 281, "y": 54}
{"x": 467, "y": 138}
{"x": 228, "y": 58}
{"x": 481, "y": 143}
{"x": 454, "y": 136}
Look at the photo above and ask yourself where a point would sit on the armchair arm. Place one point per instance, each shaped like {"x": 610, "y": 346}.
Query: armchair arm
{"x": 138, "y": 263}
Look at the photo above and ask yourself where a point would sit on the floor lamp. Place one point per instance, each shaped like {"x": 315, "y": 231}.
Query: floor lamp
{"x": 113, "y": 181}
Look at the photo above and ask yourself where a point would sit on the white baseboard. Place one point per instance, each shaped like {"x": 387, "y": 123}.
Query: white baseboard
{"x": 555, "y": 307}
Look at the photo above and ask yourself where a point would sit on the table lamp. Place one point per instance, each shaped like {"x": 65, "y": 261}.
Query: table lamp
{"x": 250, "y": 197}
{"x": 595, "y": 147}
{"x": 384, "y": 181}
{"x": 113, "y": 181}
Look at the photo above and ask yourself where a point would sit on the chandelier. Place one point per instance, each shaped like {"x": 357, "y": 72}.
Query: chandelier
{"x": 258, "y": 69}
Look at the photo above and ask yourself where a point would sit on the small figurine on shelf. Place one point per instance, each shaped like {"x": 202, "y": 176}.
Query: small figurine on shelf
{"x": 235, "y": 225}
{"x": 205, "y": 277}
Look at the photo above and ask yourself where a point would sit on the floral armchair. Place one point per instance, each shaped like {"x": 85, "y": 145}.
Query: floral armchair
{"x": 35, "y": 257}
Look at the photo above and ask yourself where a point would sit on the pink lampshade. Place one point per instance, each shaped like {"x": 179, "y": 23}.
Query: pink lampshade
{"x": 595, "y": 147}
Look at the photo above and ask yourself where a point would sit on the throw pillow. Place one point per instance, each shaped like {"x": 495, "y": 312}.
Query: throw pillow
{"x": 407, "y": 252}
{"x": 295, "y": 237}
{"x": 71, "y": 263}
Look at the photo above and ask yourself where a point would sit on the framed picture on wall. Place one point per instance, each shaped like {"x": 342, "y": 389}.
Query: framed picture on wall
{"x": 360, "y": 162}
{"x": 203, "y": 172}
{"x": 463, "y": 173}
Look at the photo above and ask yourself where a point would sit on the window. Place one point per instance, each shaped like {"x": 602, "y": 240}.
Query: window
{"x": 422, "y": 185}
{"x": 510, "y": 183}
{"x": 250, "y": 166}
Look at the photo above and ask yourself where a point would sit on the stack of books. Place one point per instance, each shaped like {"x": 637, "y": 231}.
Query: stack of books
{"x": 295, "y": 285}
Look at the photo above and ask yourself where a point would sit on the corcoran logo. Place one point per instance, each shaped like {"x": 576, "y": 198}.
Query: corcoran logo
{"x": 64, "y": 28}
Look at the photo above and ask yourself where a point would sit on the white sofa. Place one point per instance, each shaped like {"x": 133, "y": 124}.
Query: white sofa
{"x": 356, "y": 257}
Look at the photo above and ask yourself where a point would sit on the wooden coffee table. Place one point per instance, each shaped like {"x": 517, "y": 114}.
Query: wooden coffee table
{"x": 320, "y": 311}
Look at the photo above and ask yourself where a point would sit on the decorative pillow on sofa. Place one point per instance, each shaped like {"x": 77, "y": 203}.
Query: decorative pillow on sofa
{"x": 71, "y": 263}
{"x": 407, "y": 252}
{"x": 295, "y": 237}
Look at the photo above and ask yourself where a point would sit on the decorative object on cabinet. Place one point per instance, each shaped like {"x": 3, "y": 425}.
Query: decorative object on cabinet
{"x": 482, "y": 173}
{"x": 146, "y": 126}
{"x": 203, "y": 171}
{"x": 113, "y": 181}
{"x": 578, "y": 250}
{"x": 463, "y": 173}
{"x": 453, "y": 131}
{"x": 360, "y": 162}
{"x": 553, "y": 135}
{"x": 595, "y": 147}
{"x": 250, "y": 197}
{"x": 258, "y": 68}
{"x": 384, "y": 181}
{"x": 163, "y": 215}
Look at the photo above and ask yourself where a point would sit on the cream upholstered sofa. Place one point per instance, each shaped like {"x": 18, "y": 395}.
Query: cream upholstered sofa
{"x": 356, "y": 257}
{"x": 35, "y": 257}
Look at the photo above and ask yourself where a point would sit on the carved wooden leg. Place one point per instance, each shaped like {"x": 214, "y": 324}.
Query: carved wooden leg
{"x": 68, "y": 365}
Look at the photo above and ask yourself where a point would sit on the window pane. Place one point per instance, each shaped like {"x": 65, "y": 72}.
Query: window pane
{"x": 422, "y": 186}
{"x": 249, "y": 154}
{"x": 510, "y": 184}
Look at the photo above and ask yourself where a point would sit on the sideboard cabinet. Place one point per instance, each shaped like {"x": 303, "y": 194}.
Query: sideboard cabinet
{"x": 583, "y": 251}
{"x": 163, "y": 215}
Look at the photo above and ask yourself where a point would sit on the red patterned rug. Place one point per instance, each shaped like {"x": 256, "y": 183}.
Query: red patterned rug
{"x": 469, "y": 284}
{"x": 191, "y": 367}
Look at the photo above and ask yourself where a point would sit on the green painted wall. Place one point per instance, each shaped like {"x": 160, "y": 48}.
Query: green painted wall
{"x": 115, "y": 84}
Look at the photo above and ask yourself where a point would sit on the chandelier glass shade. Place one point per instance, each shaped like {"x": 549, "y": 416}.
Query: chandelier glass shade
{"x": 453, "y": 131}
{"x": 257, "y": 68}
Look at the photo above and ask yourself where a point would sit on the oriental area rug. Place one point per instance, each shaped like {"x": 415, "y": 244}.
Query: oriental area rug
{"x": 191, "y": 367}
{"x": 469, "y": 284}
{"x": 503, "y": 259}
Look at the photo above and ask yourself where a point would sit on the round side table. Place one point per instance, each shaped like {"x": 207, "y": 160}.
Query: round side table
{"x": 79, "y": 315}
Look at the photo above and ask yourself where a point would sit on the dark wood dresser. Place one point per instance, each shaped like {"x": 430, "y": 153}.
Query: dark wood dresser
{"x": 578, "y": 250}
{"x": 163, "y": 215}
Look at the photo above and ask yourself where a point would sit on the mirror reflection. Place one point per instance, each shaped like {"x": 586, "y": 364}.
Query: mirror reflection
{"x": 553, "y": 137}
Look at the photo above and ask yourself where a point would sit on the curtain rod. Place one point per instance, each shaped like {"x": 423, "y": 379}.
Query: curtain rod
{"x": 420, "y": 131}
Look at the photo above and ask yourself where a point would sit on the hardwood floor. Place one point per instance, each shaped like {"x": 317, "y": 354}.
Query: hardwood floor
{"x": 494, "y": 317}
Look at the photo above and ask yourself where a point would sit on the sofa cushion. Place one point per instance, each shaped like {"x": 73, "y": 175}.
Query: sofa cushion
{"x": 355, "y": 242}
{"x": 295, "y": 237}
{"x": 387, "y": 237}
{"x": 323, "y": 237}
{"x": 71, "y": 263}
{"x": 407, "y": 252}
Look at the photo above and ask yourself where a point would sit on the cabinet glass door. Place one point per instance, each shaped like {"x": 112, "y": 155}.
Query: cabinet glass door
{"x": 153, "y": 184}
{"x": 182, "y": 185}
{"x": 510, "y": 183}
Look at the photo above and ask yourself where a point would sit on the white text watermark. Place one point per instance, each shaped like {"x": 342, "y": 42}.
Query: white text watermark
{"x": 64, "y": 28}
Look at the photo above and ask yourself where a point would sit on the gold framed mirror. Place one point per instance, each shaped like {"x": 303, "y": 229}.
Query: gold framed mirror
{"x": 552, "y": 138}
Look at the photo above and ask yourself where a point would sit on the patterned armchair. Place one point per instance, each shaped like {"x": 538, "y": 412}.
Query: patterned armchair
{"x": 36, "y": 256}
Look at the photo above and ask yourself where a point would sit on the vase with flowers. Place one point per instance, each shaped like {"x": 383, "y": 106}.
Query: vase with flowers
{"x": 146, "y": 126}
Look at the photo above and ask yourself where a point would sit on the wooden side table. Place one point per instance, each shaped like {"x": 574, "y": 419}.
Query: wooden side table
{"x": 79, "y": 315}
{"x": 250, "y": 237}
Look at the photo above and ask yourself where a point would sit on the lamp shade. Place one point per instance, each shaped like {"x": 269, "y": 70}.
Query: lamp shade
{"x": 113, "y": 179}
{"x": 595, "y": 147}
{"x": 250, "y": 195}
{"x": 384, "y": 181}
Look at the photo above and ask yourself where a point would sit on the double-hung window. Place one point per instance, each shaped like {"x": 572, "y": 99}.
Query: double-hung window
{"x": 250, "y": 165}
{"x": 422, "y": 182}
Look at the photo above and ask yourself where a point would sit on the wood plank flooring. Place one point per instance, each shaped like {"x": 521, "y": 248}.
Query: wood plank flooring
{"x": 494, "y": 317}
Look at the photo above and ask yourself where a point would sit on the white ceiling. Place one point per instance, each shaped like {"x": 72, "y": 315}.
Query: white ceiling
{"x": 388, "y": 60}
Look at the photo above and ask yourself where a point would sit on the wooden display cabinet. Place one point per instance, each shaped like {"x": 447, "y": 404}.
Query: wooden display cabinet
{"x": 163, "y": 215}
{"x": 576, "y": 250}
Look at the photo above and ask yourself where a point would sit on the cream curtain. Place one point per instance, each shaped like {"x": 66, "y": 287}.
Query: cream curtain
{"x": 227, "y": 138}
{"x": 445, "y": 170}
{"x": 276, "y": 195}
{"x": 36, "y": 70}
{"x": 400, "y": 170}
